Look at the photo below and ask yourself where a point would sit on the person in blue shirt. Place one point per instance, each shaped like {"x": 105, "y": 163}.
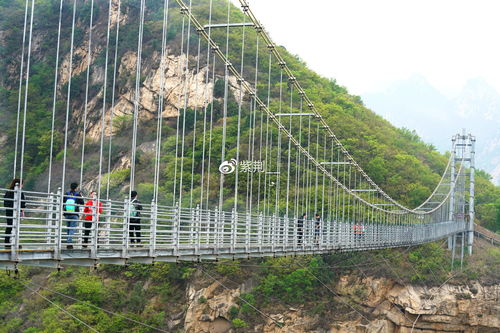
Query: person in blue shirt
{"x": 72, "y": 202}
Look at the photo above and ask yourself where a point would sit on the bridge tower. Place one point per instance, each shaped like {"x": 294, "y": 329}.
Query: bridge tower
{"x": 461, "y": 204}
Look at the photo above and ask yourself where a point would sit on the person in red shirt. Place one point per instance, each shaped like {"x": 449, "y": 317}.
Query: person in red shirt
{"x": 91, "y": 212}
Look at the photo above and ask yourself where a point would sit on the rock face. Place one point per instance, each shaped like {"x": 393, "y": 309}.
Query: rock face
{"x": 209, "y": 308}
{"x": 387, "y": 306}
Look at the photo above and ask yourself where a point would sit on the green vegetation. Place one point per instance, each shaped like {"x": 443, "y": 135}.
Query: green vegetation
{"x": 122, "y": 290}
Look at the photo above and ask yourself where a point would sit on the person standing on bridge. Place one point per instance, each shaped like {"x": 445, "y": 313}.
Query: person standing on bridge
{"x": 134, "y": 214}
{"x": 92, "y": 209}
{"x": 8, "y": 203}
{"x": 300, "y": 228}
{"x": 317, "y": 228}
{"x": 71, "y": 203}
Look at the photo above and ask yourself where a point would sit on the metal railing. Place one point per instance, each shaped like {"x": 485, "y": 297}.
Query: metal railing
{"x": 42, "y": 230}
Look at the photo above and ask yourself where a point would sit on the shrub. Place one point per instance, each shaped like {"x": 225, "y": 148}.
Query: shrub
{"x": 233, "y": 312}
{"x": 239, "y": 323}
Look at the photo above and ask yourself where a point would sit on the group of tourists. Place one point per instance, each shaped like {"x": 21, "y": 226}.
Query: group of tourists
{"x": 358, "y": 229}
{"x": 316, "y": 225}
{"x": 75, "y": 210}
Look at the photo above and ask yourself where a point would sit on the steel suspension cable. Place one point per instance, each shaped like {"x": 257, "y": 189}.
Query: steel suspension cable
{"x": 240, "y": 104}
{"x": 26, "y": 89}
{"x": 96, "y": 307}
{"x": 85, "y": 110}
{"x": 174, "y": 197}
{"x": 68, "y": 100}
{"x": 251, "y": 137}
{"x": 186, "y": 98}
{"x": 136, "y": 97}
{"x": 103, "y": 111}
{"x": 224, "y": 112}
{"x": 231, "y": 68}
{"x": 163, "y": 59}
{"x": 324, "y": 125}
{"x": 289, "y": 156}
{"x": 205, "y": 107}
{"x": 21, "y": 77}
{"x": 54, "y": 98}
{"x": 210, "y": 135}
{"x": 62, "y": 309}
{"x": 108, "y": 180}
{"x": 278, "y": 153}
{"x": 265, "y": 197}
{"x": 194, "y": 124}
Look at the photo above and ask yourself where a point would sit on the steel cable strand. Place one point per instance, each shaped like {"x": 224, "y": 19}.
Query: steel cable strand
{"x": 136, "y": 98}
{"x": 205, "y": 108}
{"x": 108, "y": 180}
{"x": 253, "y": 108}
{"x": 21, "y": 87}
{"x": 209, "y": 160}
{"x": 185, "y": 107}
{"x": 96, "y": 307}
{"x": 241, "y": 298}
{"x": 438, "y": 185}
{"x": 240, "y": 104}
{"x": 194, "y": 124}
{"x": 61, "y": 308}
{"x": 159, "y": 127}
{"x": 28, "y": 63}
{"x": 66, "y": 130}
{"x": 226, "y": 82}
{"x": 54, "y": 98}
{"x": 264, "y": 107}
{"x": 103, "y": 120}
{"x": 324, "y": 125}
{"x": 177, "y": 128}
{"x": 278, "y": 152}
{"x": 85, "y": 110}
{"x": 282, "y": 302}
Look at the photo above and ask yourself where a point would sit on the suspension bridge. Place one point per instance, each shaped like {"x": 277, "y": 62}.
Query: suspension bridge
{"x": 244, "y": 156}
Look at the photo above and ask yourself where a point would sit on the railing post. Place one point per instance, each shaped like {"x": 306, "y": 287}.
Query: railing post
{"x": 94, "y": 229}
{"x": 192, "y": 222}
{"x": 273, "y": 232}
{"x": 248, "y": 233}
{"x": 125, "y": 227}
{"x": 107, "y": 227}
{"x": 233, "y": 229}
{"x": 217, "y": 235}
{"x": 50, "y": 219}
{"x": 152, "y": 229}
{"x": 260, "y": 230}
{"x": 16, "y": 223}
{"x": 197, "y": 230}
{"x": 177, "y": 229}
{"x": 59, "y": 223}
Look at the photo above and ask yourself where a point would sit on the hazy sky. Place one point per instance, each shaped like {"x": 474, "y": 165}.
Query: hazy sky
{"x": 366, "y": 44}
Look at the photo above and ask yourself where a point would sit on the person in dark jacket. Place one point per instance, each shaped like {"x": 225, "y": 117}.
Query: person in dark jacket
{"x": 8, "y": 203}
{"x": 134, "y": 214}
{"x": 300, "y": 228}
{"x": 317, "y": 228}
{"x": 72, "y": 202}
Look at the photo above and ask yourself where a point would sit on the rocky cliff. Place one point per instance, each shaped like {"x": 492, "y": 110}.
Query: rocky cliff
{"x": 376, "y": 305}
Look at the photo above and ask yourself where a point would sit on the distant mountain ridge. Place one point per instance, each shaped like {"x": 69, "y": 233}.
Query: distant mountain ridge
{"x": 416, "y": 104}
